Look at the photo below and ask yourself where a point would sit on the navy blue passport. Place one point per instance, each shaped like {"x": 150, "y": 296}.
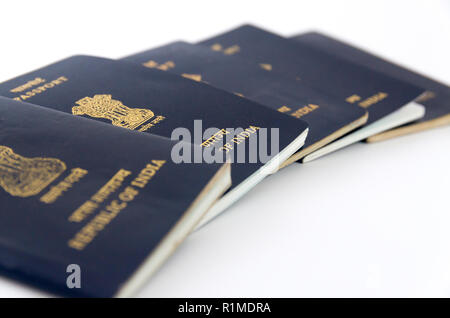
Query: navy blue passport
{"x": 436, "y": 99}
{"x": 77, "y": 194}
{"x": 150, "y": 100}
{"x": 328, "y": 118}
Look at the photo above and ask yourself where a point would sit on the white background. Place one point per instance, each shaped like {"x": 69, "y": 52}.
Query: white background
{"x": 370, "y": 220}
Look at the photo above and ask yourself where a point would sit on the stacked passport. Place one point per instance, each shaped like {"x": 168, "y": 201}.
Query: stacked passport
{"x": 107, "y": 165}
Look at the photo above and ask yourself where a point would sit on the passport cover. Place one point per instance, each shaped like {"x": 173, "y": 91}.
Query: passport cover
{"x": 76, "y": 191}
{"x": 327, "y": 118}
{"x": 379, "y": 94}
{"x": 150, "y": 100}
{"x": 436, "y": 99}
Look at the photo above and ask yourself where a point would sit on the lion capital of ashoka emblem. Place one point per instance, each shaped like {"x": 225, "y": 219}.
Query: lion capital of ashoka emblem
{"x": 103, "y": 106}
{"x": 25, "y": 177}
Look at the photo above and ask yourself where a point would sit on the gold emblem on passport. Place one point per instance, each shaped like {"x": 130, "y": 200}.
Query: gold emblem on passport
{"x": 103, "y": 106}
{"x": 25, "y": 177}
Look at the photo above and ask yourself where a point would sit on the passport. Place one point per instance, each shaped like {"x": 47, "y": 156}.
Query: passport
{"x": 328, "y": 118}
{"x": 436, "y": 99}
{"x": 77, "y": 193}
{"x": 388, "y": 101}
{"x": 132, "y": 97}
